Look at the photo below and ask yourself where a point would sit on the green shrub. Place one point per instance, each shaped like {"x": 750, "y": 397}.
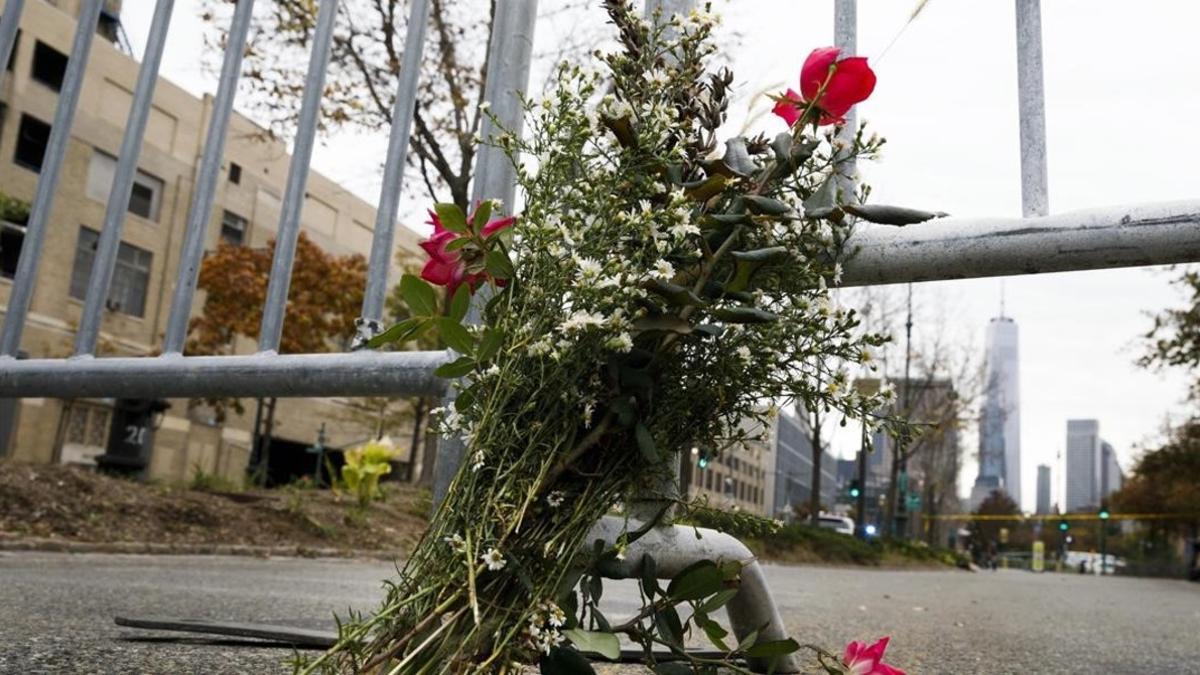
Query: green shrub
{"x": 13, "y": 210}
{"x": 204, "y": 481}
{"x": 364, "y": 466}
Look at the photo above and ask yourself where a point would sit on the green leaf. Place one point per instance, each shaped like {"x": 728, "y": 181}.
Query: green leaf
{"x": 493, "y": 338}
{"x": 459, "y": 243}
{"x": 670, "y": 628}
{"x": 483, "y": 213}
{"x": 664, "y": 322}
{"x": 890, "y": 215}
{"x": 722, "y": 220}
{"x": 749, "y": 262}
{"x": 399, "y": 332}
{"x": 773, "y": 648}
{"x": 782, "y": 147}
{"x": 645, "y": 442}
{"x": 714, "y": 631}
{"x": 706, "y": 189}
{"x": 563, "y": 661}
{"x": 822, "y": 202}
{"x": 718, "y": 600}
{"x": 675, "y": 295}
{"x": 698, "y": 580}
{"x": 457, "y": 338}
{"x": 604, "y": 644}
{"x": 418, "y": 295}
{"x": 737, "y": 157}
{"x": 710, "y": 330}
{"x": 766, "y": 206}
{"x": 626, "y": 413}
{"x": 748, "y": 641}
{"x": 465, "y": 399}
{"x": 744, "y": 315}
{"x": 649, "y": 576}
{"x": 451, "y": 217}
{"x": 498, "y": 265}
{"x": 460, "y": 303}
{"x": 456, "y": 368}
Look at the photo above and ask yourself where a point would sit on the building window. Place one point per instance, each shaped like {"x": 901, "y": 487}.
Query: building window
{"x": 145, "y": 198}
{"x": 233, "y": 228}
{"x": 131, "y": 276}
{"x": 32, "y": 137}
{"x": 88, "y": 425}
{"x": 49, "y": 65}
{"x": 708, "y": 479}
{"x": 12, "y": 236}
{"x": 235, "y": 173}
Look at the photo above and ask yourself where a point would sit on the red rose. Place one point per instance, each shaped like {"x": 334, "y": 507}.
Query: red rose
{"x": 850, "y": 82}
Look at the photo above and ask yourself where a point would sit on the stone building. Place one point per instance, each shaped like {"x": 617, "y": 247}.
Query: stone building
{"x": 246, "y": 212}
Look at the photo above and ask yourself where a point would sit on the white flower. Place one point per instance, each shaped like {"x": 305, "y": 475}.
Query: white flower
{"x": 588, "y": 269}
{"x": 621, "y": 343}
{"x": 580, "y": 321}
{"x": 456, "y": 542}
{"x": 744, "y": 354}
{"x": 621, "y": 549}
{"x": 493, "y": 559}
{"x": 837, "y": 273}
{"x": 493, "y": 370}
{"x": 683, "y": 229}
{"x": 477, "y": 460}
{"x": 658, "y": 78}
{"x": 555, "y": 499}
{"x": 664, "y": 270}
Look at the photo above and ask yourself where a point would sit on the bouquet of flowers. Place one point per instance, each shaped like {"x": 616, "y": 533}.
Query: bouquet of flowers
{"x": 657, "y": 287}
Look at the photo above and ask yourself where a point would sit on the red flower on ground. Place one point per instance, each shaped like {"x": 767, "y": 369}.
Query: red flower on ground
{"x": 863, "y": 660}
{"x": 447, "y": 268}
{"x": 851, "y": 82}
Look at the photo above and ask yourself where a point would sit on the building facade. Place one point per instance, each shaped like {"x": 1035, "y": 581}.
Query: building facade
{"x": 1111, "y": 476}
{"x": 1043, "y": 489}
{"x": 1000, "y": 417}
{"x": 736, "y": 479}
{"x": 1083, "y": 465}
{"x": 247, "y": 208}
{"x": 792, "y": 474}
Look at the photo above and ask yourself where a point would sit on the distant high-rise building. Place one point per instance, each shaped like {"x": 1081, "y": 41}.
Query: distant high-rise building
{"x": 1000, "y": 421}
{"x": 1084, "y": 482}
{"x": 1043, "y": 489}
{"x": 1111, "y": 476}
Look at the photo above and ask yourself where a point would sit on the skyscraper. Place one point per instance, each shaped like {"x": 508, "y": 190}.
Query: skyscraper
{"x": 1043, "y": 489}
{"x": 1000, "y": 420}
{"x": 1083, "y": 465}
{"x": 1111, "y": 476}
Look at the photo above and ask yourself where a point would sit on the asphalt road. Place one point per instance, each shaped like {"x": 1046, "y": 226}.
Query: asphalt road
{"x": 56, "y": 614}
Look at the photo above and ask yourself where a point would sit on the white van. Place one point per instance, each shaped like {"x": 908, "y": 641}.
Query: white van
{"x": 842, "y": 524}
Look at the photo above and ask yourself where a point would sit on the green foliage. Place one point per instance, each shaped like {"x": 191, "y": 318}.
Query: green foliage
{"x": 364, "y": 466}
{"x": 13, "y": 210}
{"x": 204, "y": 481}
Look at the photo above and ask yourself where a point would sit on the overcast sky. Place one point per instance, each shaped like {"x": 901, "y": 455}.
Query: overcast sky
{"x": 1122, "y": 100}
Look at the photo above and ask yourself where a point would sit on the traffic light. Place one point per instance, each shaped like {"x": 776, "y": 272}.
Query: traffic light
{"x": 1063, "y": 526}
{"x": 1104, "y": 514}
{"x": 854, "y": 490}
{"x": 702, "y": 462}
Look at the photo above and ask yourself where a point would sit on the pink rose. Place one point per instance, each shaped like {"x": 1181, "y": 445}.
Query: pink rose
{"x": 447, "y": 268}
{"x": 863, "y": 660}
{"x": 851, "y": 82}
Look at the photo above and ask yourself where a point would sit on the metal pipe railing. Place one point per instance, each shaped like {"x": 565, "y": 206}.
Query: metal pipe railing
{"x": 971, "y": 248}
{"x": 47, "y": 184}
{"x": 297, "y": 180}
{"x": 510, "y": 52}
{"x": 118, "y": 197}
{"x": 363, "y": 373}
{"x": 393, "y": 170}
{"x": 10, "y": 21}
{"x": 1031, "y": 98}
{"x": 192, "y": 248}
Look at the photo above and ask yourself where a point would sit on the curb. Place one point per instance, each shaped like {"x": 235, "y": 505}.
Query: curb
{"x": 150, "y": 548}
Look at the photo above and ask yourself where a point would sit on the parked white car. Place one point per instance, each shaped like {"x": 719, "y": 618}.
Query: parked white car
{"x": 842, "y": 524}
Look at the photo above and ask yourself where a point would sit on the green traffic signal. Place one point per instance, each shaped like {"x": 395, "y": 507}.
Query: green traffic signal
{"x": 854, "y": 492}
{"x": 703, "y": 462}
{"x": 1104, "y": 514}
{"x": 1063, "y": 526}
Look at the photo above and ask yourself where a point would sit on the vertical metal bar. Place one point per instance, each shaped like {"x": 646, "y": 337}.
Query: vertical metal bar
{"x": 47, "y": 185}
{"x": 293, "y": 196}
{"x": 192, "y": 249}
{"x": 510, "y": 51}
{"x": 118, "y": 197}
{"x": 10, "y": 21}
{"x": 1035, "y": 192}
{"x": 393, "y": 170}
{"x": 845, "y": 31}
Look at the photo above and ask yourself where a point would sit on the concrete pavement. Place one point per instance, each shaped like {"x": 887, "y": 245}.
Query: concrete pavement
{"x": 56, "y": 614}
